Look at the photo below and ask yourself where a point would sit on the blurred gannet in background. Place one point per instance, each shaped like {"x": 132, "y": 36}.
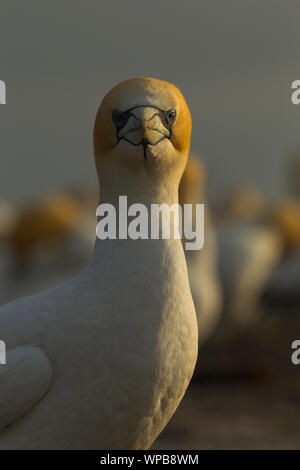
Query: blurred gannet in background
{"x": 294, "y": 176}
{"x": 8, "y": 217}
{"x": 202, "y": 264}
{"x": 283, "y": 290}
{"x": 103, "y": 361}
{"x": 47, "y": 224}
{"x": 249, "y": 254}
{"x": 47, "y": 242}
{"x": 242, "y": 203}
{"x": 284, "y": 285}
{"x": 244, "y": 247}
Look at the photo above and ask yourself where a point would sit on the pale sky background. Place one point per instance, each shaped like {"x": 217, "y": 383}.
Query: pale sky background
{"x": 234, "y": 60}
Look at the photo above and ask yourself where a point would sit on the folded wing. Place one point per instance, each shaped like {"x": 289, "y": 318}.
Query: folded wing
{"x": 24, "y": 380}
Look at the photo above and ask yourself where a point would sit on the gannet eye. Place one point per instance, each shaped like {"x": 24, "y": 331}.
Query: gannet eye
{"x": 119, "y": 118}
{"x": 170, "y": 117}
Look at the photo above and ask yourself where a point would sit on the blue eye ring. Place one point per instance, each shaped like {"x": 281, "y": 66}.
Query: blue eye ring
{"x": 118, "y": 117}
{"x": 170, "y": 116}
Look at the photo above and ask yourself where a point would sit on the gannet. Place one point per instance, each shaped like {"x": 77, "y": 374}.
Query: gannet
{"x": 202, "y": 264}
{"x": 47, "y": 223}
{"x": 241, "y": 203}
{"x": 283, "y": 287}
{"x": 103, "y": 361}
{"x": 249, "y": 255}
{"x": 8, "y": 217}
{"x": 294, "y": 176}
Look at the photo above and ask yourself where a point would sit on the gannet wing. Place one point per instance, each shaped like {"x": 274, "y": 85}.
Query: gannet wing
{"x": 21, "y": 322}
{"x": 24, "y": 380}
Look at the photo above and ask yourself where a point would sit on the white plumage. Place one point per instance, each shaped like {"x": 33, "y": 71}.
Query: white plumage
{"x": 102, "y": 361}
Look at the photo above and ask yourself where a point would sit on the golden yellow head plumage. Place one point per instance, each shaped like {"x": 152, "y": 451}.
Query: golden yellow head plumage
{"x": 130, "y": 95}
{"x": 286, "y": 217}
{"x": 142, "y": 119}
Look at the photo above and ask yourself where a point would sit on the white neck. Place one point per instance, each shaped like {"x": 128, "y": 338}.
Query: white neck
{"x": 138, "y": 188}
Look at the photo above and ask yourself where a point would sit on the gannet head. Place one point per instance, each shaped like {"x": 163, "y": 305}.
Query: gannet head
{"x": 143, "y": 127}
{"x": 244, "y": 202}
{"x": 286, "y": 218}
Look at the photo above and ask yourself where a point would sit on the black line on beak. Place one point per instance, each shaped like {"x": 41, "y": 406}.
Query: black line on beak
{"x": 145, "y": 143}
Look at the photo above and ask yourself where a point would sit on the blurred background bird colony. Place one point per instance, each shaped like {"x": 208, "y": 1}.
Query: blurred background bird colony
{"x": 235, "y": 62}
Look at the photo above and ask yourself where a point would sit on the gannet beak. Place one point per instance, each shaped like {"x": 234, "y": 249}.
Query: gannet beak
{"x": 144, "y": 125}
